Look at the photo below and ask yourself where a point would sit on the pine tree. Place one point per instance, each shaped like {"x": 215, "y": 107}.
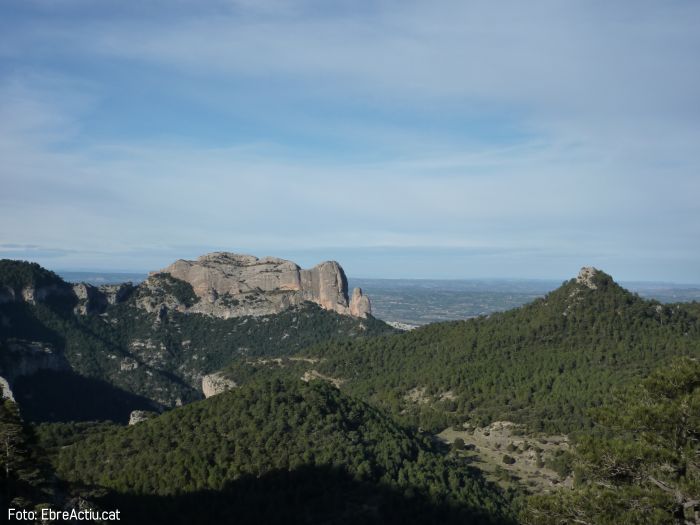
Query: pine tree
{"x": 13, "y": 452}
{"x": 643, "y": 466}
{"x": 11, "y": 439}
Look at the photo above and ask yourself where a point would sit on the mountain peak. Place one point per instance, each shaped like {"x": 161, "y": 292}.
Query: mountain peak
{"x": 594, "y": 279}
{"x": 231, "y": 285}
{"x": 587, "y": 276}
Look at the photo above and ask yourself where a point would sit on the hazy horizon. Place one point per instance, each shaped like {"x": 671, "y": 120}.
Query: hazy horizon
{"x": 552, "y": 280}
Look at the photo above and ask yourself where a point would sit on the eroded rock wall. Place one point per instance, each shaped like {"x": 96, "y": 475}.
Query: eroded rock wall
{"x": 233, "y": 285}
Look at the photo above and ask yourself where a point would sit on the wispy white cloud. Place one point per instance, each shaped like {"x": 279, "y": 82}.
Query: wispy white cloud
{"x": 598, "y": 103}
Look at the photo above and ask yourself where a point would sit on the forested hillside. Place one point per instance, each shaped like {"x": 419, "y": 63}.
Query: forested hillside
{"x": 278, "y": 452}
{"x": 105, "y": 364}
{"x": 545, "y": 364}
{"x": 642, "y": 465}
{"x": 16, "y": 275}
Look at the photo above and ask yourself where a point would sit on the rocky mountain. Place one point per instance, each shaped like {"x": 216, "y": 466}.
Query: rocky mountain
{"x": 158, "y": 344}
{"x": 233, "y": 285}
{"x": 224, "y": 284}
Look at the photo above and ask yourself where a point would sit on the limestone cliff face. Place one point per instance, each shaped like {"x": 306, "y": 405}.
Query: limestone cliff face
{"x": 233, "y": 285}
{"x": 94, "y": 300}
{"x": 88, "y": 299}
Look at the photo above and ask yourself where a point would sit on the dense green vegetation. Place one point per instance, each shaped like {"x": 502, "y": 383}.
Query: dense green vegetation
{"x": 25, "y": 476}
{"x": 93, "y": 348}
{"x": 273, "y": 428}
{"x": 643, "y": 467}
{"x": 127, "y": 358}
{"x": 544, "y": 365}
{"x": 168, "y": 285}
{"x": 19, "y": 274}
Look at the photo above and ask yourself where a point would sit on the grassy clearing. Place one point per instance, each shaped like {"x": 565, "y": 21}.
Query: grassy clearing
{"x": 508, "y": 457}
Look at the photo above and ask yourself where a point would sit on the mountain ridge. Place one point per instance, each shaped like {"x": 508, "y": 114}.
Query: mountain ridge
{"x": 543, "y": 364}
{"x": 144, "y": 340}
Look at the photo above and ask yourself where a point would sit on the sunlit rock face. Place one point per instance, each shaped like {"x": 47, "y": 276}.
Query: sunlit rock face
{"x": 233, "y": 285}
{"x": 586, "y": 277}
{"x": 213, "y": 384}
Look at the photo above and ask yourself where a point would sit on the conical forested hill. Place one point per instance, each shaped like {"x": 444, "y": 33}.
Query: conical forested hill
{"x": 544, "y": 364}
{"x": 278, "y": 451}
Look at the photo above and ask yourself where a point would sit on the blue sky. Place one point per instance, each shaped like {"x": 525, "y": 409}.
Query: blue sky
{"x": 453, "y": 139}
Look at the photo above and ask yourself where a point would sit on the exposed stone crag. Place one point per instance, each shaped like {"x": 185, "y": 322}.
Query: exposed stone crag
{"x": 33, "y": 294}
{"x": 94, "y": 299}
{"x": 216, "y": 383}
{"x": 88, "y": 299}
{"x": 225, "y": 285}
{"x": 360, "y": 305}
{"x": 153, "y": 296}
{"x": 586, "y": 277}
{"x": 5, "y": 390}
{"x": 116, "y": 293}
{"x": 138, "y": 416}
{"x": 233, "y": 285}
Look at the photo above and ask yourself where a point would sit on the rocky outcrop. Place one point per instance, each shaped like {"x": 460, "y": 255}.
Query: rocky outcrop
{"x": 90, "y": 299}
{"x": 359, "y": 304}
{"x": 84, "y": 291}
{"x": 156, "y": 294}
{"x": 232, "y": 285}
{"x": 116, "y": 293}
{"x": 586, "y": 277}
{"x": 94, "y": 300}
{"x": 311, "y": 375}
{"x": 5, "y": 390}
{"x": 34, "y": 294}
{"x": 214, "y": 384}
{"x": 138, "y": 416}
